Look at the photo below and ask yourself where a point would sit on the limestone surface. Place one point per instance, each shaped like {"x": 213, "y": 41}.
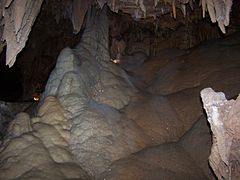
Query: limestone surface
{"x": 92, "y": 90}
{"x": 224, "y": 118}
{"x": 38, "y": 147}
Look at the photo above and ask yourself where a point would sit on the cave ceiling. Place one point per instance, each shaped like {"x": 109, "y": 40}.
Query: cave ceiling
{"x": 18, "y": 16}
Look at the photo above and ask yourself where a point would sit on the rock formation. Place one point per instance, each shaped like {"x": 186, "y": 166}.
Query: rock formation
{"x": 224, "y": 119}
{"x": 96, "y": 120}
{"x": 219, "y": 11}
{"x": 39, "y": 147}
{"x": 180, "y": 160}
{"x": 78, "y": 119}
{"x": 17, "y": 17}
{"x": 8, "y": 112}
{"x": 92, "y": 90}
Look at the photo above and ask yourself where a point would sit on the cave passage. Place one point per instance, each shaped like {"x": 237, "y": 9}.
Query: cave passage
{"x": 120, "y": 100}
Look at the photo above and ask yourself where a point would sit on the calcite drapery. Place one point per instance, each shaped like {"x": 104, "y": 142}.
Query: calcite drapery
{"x": 219, "y": 11}
{"x": 92, "y": 90}
{"x": 224, "y": 119}
{"x": 145, "y": 8}
{"x": 19, "y": 17}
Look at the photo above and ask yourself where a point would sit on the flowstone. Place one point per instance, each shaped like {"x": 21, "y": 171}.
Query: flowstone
{"x": 92, "y": 90}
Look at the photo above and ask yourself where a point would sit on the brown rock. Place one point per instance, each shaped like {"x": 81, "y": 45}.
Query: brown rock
{"x": 197, "y": 143}
{"x": 167, "y": 161}
{"x": 157, "y": 119}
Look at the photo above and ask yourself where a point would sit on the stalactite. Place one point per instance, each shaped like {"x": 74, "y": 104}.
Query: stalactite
{"x": 219, "y": 11}
{"x": 228, "y": 10}
{"x": 183, "y": 9}
{"x": 204, "y": 7}
{"x": 174, "y": 10}
{"x": 18, "y": 18}
{"x": 80, "y": 8}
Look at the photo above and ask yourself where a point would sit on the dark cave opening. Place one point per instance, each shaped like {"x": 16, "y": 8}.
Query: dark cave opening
{"x": 26, "y": 80}
{"x": 11, "y": 81}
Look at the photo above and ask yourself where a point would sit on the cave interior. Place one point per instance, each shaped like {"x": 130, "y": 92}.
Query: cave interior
{"x": 121, "y": 90}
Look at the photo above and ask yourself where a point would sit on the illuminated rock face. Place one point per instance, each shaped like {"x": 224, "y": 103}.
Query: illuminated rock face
{"x": 224, "y": 119}
{"x": 19, "y": 17}
{"x": 39, "y": 146}
{"x": 79, "y": 118}
{"x": 92, "y": 89}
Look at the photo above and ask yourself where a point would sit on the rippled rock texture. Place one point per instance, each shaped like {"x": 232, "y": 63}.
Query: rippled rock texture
{"x": 224, "y": 118}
